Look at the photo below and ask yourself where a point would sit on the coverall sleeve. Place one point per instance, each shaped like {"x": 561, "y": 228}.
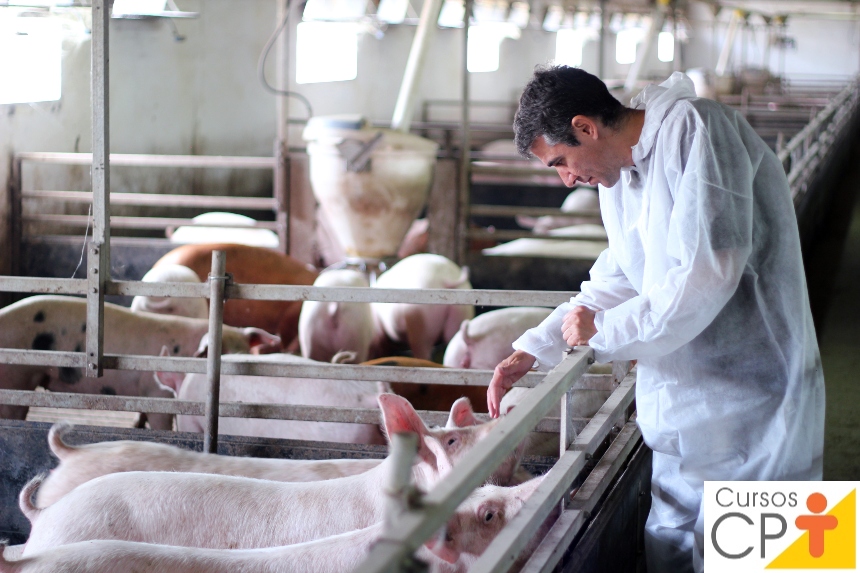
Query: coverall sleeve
{"x": 709, "y": 241}
{"x": 607, "y": 288}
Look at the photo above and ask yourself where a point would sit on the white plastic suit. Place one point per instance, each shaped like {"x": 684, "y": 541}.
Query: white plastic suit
{"x": 703, "y": 283}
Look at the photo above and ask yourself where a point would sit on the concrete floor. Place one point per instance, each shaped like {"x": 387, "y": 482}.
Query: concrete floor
{"x": 839, "y": 334}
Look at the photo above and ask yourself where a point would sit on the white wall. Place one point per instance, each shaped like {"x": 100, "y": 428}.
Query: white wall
{"x": 201, "y": 95}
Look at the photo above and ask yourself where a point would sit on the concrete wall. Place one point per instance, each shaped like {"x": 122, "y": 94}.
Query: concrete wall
{"x": 201, "y": 95}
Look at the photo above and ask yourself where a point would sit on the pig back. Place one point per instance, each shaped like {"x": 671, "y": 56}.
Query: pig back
{"x": 251, "y": 265}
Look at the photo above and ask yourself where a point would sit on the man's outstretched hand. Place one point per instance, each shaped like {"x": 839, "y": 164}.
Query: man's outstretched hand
{"x": 506, "y": 373}
{"x": 578, "y": 326}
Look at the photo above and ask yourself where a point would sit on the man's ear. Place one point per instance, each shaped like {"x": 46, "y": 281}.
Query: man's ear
{"x": 584, "y": 127}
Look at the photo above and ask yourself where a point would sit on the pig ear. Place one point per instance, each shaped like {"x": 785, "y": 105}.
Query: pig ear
{"x": 169, "y": 380}
{"x": 398, "y": 415}
{"x": 261, "y": 342}
{"x": 461, "y": 415}
{"x": 203, "y": 347}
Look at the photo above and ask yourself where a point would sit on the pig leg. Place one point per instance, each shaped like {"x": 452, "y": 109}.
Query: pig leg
{"x": 19, "y": 377}
{"x": 157, "y": 421}
{"x": 417, "y": 336}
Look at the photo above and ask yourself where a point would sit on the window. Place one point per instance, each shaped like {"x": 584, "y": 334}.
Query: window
{"x": 482, "y": 52}
{"x": 625, "y": 45}
{"x": 666, "y": 47}
{"x": 568, "y": 47}
{"x": 30, "y": 58}
{"x": 326, "y": 52}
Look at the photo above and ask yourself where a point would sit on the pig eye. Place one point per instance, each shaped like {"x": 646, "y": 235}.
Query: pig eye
{"x": 488, "y": 517}
{"x": 452, "y": 441}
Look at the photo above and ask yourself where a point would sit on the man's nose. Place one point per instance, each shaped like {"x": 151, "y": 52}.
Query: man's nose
{"x": 566, "y": 176}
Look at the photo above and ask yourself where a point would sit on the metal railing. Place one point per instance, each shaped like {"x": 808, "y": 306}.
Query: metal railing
{"x": 558, "y": 386}
{"x": 809, "y": 149}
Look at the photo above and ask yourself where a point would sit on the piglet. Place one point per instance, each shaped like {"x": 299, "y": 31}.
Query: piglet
{"x": 190, "y": 307}
{"x": 469, "y": 531}
{"x": 421, "y": 325}
{"x": 50, "y": 322}
{"x": 281, "y": 390}
{"x": 484, "y": 341}
{"x": 481, "y": 517}
{"x": 80, "y": 464}
{"x": 326, "y": 328}
{"x": 336, "y": 554}
{"x": 200, "y": 510}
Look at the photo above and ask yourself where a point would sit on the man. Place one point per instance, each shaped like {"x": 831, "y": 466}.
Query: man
{"x": 702, "y": 283}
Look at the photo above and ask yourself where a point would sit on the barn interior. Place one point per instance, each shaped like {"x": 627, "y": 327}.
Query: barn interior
{"x": 350, "y": 135}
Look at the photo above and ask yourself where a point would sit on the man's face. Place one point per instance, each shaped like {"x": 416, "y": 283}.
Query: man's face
{"x": 591, "y": 162}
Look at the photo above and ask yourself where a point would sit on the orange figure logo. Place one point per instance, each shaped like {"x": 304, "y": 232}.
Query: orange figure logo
{"x": 816, "y": 525}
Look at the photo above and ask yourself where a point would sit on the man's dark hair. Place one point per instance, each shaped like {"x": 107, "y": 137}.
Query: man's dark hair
{"x": 553, "y": 97}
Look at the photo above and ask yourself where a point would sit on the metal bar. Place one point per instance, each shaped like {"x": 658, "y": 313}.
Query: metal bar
{"x": 512, "y": 211}
{"x": 485, "y": 297}
{"x": 15, "y": 223}
{"x": 43, "y": 285}
{"x": 557, "y": 541}
{"x": 98, "y": 259}
{"x": 139, "y": 222}
{"x": 507, "y": 235}
{"x": 484, "y": 169}
{"x": 465, "y": 159}
{"x": 567, "y": 434}
{"x": 217, "y": 281}
{"x": 281, "y": 175}
{"x": 424, "y": 296}
{"x": 502, "y": 552}
{"x": 266, "y": 411}
{"x": 247, "y": 365}
{"x": 142, "y": 160}
{"x": 404, "y": 447}
{"x": 158, "y": 199}
{"x": 417, "y": 526}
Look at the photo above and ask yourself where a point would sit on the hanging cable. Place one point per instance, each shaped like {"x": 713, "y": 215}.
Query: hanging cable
{"x": 261, "y": 66}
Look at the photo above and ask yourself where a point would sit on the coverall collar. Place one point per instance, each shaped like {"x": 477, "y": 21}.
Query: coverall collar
{"x": 657, "y": 100}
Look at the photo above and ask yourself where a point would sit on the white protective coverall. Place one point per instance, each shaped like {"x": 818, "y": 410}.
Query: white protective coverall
{"x": 703, "y": 283}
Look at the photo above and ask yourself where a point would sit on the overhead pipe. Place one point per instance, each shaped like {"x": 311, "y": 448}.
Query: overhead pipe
{"x": 728, "y": 47}
{"x": 405, "y": 106}
{"x": 657, "y": 18}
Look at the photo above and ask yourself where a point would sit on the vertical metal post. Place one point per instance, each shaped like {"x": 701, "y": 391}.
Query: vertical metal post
{"x": 465, "y": 159}
{"x": 15, "y": 217}
{"x": 217, "y": 280}
{"x": 98, "y": 255}
{"x": 566, "y": 434}
{"x": 601, "y": 42}
{"x": 404, "y": 446}
{"x": 282, "y": 137}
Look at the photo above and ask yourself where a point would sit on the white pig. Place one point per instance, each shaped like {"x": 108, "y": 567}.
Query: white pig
{"x": 581, "y": 199}
{"x": 326, "y": 328}
{"x": 190, "y": 307}
{"x": 277, "y": 390}
{"x": 335, "y": 554}
{"x": 421, "y": 325}
{"x": 469, "y": 533}
{"x": 480, "y": 518}
{"x": 486, "y": 340}
{"x": 80, "y": 464}
{"x": 203, "y": 510}
{"x": 50, "y": 322}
